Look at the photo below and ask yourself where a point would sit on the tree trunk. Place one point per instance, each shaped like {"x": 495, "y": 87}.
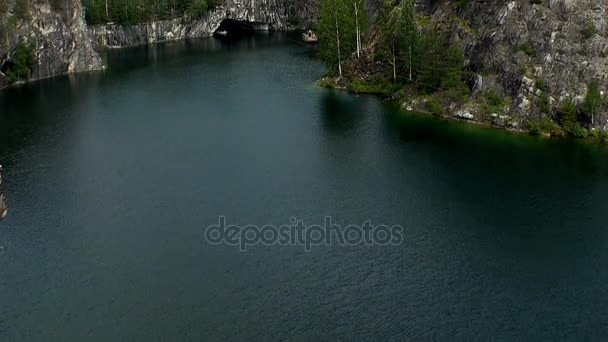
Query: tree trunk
{"x": 338, "y": 45}
{"x": 394, "y": 65}
{"x": 107, "y": 12}
{"x": 410, "y": 62}
{"x": 358, "y": 33}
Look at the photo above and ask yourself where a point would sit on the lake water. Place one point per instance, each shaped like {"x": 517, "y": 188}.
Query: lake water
{"x": 112, "y": 178}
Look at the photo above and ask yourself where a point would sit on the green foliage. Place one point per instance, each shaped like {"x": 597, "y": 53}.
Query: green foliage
{"x": 21, "y": 9}
{"x": 399, "y": 33}
{"x": 593, "y": 101}
{"x": 567, "y": 118}
{"x": 540, "y": 84}
{"x": 461, "y": 3}
{"x": 440, "y": 65}
{"x": 3, "y": 7}
{"x": 136, "y": 11}
{"x": 543, "y": 126}
{"x": 24, "y": 59}
{"x": 566, "y": 113}
{"x": 575, "y": 130}
{"x": 4, "y": 24}
{"x": 492, "y": 102}
{"x": 337, "y": 32}
{"x": 199, "y": 7}
{"x": 600, "y": 135}
{"x": 381, "y": 87}
{"x": 95, "y": 11}
{"x": 544, "y": 104}
{"x": 589, "y": 30}
{"x": 434, "y": 107}
{"x": 527, "y": 48}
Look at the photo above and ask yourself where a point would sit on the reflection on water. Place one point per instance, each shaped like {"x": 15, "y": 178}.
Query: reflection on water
{"x": 340, "y": 113}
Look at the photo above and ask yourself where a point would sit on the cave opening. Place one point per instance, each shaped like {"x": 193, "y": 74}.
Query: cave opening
{"x": 6, "y": 66}
{"x": 231, "y": 29}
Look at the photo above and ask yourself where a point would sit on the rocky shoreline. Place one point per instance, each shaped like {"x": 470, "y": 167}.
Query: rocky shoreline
{"x": 539, "y": 67}
{"x": 417, "y": 104}
{"x": 63, "y": 43}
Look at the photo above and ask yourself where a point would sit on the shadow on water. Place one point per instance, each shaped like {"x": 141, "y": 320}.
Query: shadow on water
{"x": 27, "y": 108}
{"x": 472, "y": 142}
{"x": 340, "y": 113}
{"x": 512, "y": 196}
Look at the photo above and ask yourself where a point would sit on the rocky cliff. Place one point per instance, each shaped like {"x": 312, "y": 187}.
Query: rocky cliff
{"x": 65, "y": 44}
{"x": 265, "y": 14}
{"x": 57, "y": 30}
{"x": 527, "y": 50}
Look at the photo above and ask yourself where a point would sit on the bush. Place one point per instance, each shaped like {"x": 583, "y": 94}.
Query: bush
{"x": 434, "y": 107}
{"x": 95, "y": 12}
{"x": 439, "y": 64}
{"x": 566, "y": 113}
{"x": 593, "y": 101}
{"x": 136, "y": 11}
{"x": 198, "y": 8}
{"x": 567, "y": 118}
{"x": 3, "y": 7}
{"x": 544, "y": 104}
{"x": 23, "y": 60}
{"x": 21, "y": 9}
{"x": 382, "y": 87}
{"x": 589, "y": 30}
{"x": 543, "y": 126}
{"x": 527, "y": 48}
{"x": 600, "y": 135}
{"x": 576, "y": 130}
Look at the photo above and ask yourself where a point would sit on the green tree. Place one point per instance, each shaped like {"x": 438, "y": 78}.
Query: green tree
{"x": 593, "y": 101}
{"x": 400, "y": 33}
{"x": 337, "y": 32}
{"x": 21, "y": 9}
{"x": 198, "y": 8}
{"x": 24, "y": 60}
{"x": 440, "y": 64}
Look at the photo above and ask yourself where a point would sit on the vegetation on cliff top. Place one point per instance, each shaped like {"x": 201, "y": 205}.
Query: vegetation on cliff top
{"x": 340, "y": 25}
{"x": 422, "y": 60}
{"x": 22, "y": 63}
{"x": 137, "y": 11}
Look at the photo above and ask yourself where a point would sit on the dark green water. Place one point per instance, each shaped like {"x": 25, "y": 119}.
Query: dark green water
{"x": 112, "y": 178}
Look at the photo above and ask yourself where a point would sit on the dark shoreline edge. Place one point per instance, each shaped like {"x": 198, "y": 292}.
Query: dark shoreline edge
{"x": 341, "y": 84}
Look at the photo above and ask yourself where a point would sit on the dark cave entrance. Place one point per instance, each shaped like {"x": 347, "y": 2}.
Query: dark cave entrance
{"x": 6, "y": 66}
{"x": 231, "y": 29}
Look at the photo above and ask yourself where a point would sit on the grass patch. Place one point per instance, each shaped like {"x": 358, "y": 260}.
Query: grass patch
{"x": 543, "y": 126}
{"x": 372, "y": 87}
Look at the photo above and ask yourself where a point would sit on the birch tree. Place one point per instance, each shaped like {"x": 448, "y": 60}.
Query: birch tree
{"x": 400, "y": 33}
{"x": 337, "y": 32}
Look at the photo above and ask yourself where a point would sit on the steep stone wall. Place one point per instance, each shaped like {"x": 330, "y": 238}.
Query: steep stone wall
{"x": 64, "y": 43}
{"x": 516, "y": 47}
{"x": 275, "y": 13}
{"x": 59, "y": 33}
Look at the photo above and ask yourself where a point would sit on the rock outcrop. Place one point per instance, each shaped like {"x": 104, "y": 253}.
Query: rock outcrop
{"x": 524, "y": 49}
{"x": 276, "y": 15}
{"x": 58, "y": 32}
{"x": 65, "y": 44}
